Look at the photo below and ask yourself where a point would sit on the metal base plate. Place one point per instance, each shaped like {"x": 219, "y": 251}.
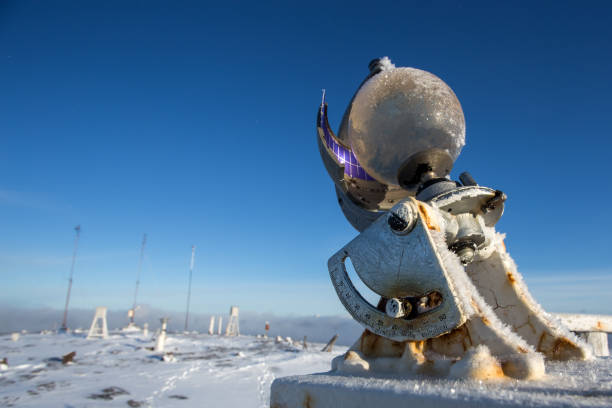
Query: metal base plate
{"x": 565, "y": 386}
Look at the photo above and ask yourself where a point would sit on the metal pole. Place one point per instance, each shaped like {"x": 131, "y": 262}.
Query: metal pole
{"x": 189, "y": 287}
{"x": 142, "y": 248}
{"x": 76, "y": 245}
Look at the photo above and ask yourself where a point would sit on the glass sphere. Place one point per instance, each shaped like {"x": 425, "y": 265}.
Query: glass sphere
{"x": 401, "y": 112}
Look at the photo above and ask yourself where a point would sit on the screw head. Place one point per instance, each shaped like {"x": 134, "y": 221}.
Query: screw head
{"x": 402, "y": 218}
{"x": 397, "y": 223}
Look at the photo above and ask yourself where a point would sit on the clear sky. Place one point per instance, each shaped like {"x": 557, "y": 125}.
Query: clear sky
{"x": 195, "y": 123}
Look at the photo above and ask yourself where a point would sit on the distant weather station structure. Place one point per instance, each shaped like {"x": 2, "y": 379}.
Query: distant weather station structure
{"x": 232, "y": 328}
{"x": 99, "y": 327}
{"x": 64, "y": 327}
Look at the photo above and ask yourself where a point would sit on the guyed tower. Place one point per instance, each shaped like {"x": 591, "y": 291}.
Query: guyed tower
{"x": 132, "y": 312}
{"x": 74, "y": 253}
{"x": 189, "y": 286}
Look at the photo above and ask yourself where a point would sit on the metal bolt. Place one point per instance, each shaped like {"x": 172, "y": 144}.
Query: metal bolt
{"x": 466, "y": 255}
{"x": 394, "y": 308}
{"x": 397, "y": 223}
{"x": 465, "y": 250}
{"x": 402, "y": 218}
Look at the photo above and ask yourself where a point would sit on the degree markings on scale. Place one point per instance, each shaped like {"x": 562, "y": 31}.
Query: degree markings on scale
{"x": 376, "y": 322}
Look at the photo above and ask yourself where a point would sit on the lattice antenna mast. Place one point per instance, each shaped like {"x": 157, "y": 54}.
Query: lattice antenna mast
{"x": 189, "y": 287}
{"x": 142, "y": 248}
{"x": 74, "y": 253}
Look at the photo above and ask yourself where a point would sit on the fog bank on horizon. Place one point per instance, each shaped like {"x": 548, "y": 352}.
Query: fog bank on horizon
{"x": 316, "y": 328}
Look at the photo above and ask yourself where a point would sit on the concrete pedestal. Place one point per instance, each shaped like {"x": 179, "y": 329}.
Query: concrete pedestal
{"x": 567, "y": 385}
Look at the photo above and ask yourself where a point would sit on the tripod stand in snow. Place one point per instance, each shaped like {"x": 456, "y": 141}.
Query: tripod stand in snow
{"x": 98, "y": 328}
{"x": 232, "y": 328}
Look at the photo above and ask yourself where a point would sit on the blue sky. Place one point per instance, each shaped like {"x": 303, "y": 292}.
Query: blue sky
{"x": 196, "y": 124}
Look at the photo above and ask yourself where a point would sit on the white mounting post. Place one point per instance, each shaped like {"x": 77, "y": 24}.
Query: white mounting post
{"x": 161, "y": 339}
{"x": 220, "y": 325}
{"x": 145, "y": 329}
{"x": 232, "y": 328}
{"x": 211, "y": 326}
{"x": 99, "y": 328}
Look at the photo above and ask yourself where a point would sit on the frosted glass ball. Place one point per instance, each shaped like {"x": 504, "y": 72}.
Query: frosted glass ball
{"x": 400, "y": 112}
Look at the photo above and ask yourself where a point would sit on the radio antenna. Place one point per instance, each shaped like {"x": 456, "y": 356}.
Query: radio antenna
{"x": 142, "y": 248}
{"x": 74, "y": 253}
{"x": 189, "y": 287}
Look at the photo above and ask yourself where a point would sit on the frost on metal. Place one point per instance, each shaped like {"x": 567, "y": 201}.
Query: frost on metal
{"x": 487, "y": 325}
{"x": 386, "y": 64}
{"x": 434, "y": 342}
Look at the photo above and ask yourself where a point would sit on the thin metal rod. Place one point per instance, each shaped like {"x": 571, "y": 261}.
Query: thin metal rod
{"x": 189, "y": 287}
{"x": 142, "y": 248}
{"x": 74, "y": 253}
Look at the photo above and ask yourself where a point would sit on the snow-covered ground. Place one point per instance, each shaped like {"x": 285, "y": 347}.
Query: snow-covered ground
{"x": 122, "y": 371}
{"x": 216, "y": 371}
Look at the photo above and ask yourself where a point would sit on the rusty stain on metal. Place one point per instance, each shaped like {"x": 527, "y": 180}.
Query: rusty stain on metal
{"x": 469, "y": 336}
{"x": 540, "y": 340}
{"x": 511, "y": 277}
{"x": 417, "y": 347}
{"x": 564, "y": 349}
{"x": 417, "y": 350}
{"x": 372, "y": 344}
{"x": 308, "y": 401}
{"x": 458, "y": 337}
{"x": 561, "y": 349}
{"x": 495, "y": 371}
{"x": 428, "y": 221}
